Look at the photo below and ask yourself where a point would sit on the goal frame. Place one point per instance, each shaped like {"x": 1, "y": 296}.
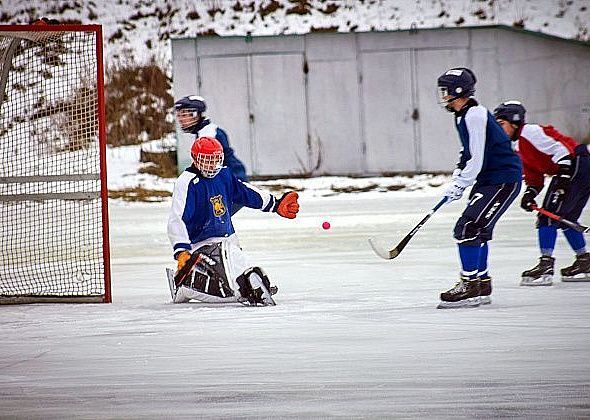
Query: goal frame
{"x": 101, "y": 121}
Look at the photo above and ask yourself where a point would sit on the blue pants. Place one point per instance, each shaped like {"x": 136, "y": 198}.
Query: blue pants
{"x": 576, "y": 198}
{"x": 486, "y": 205}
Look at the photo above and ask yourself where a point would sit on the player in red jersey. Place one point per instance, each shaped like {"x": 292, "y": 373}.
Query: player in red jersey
{"x": 545, "y": 151}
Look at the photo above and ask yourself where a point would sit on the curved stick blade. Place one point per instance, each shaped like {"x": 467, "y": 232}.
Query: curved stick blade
{"x": 386, "y": 254}
{"x": 389, "y": 254}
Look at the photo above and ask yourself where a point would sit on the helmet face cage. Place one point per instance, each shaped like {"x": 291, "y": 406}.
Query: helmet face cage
{"x": 443, "y": 93}
{"x": 207, "y": 154}
{"x": 209, "y": 164}
{"x": 187, "y": 118}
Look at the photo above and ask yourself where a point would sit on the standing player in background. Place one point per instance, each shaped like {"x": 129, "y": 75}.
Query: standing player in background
{"x": 545, "y": 151}
{"x": 190, "y": 114}
{"x": 199, "y": 222}
{"x": 487, "y": 162}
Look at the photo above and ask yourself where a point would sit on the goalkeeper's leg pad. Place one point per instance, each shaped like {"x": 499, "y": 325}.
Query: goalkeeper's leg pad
{"x": 210, "y": 276}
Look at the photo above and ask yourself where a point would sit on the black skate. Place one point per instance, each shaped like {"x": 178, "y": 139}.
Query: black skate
{"x": 464, "y": 294}
{"x": 263, "y": 295}
{"x": 256, "y": 289}
{"x": 539, "y": 275}
{"x": 579, "y": 270}
{"x": 485, "y": 290}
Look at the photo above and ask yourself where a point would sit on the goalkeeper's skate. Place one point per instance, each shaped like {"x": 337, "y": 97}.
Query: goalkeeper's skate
{"x": 171, "y": 283}
{"x": 539, "y": 275}
{"x": 263, "y": 295}
{"x": 255, "y": 288}
{"x": 579, "y": 270}
{"x": 464, "y": 294}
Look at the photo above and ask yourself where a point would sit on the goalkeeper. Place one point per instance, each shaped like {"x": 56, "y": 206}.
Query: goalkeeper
{"x": 200, "y": 223}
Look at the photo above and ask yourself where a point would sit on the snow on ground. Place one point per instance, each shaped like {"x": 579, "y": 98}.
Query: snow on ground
{"x": 123, "y": 167}
{"x": 352, "y": 335}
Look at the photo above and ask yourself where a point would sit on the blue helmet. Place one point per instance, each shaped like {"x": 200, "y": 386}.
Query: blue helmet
{"x": 511, "y": 111}
{"x": 189, "y": 111}
{"x": 458, "y": 82}
{"x": 192, "y": 102}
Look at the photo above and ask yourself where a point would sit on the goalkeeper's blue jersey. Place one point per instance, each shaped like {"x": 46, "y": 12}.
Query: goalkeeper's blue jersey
{"x": 201, "y": 207}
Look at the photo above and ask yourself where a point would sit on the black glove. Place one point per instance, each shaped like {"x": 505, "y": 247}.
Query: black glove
{"x": 528, "y": 198}
{"x": 562, "y": 181}
{"x": 564, "y": 175}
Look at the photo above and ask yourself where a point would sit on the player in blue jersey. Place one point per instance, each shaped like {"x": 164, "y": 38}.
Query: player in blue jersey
{"x": 487, "y": 162}
{"x": 190, "y": 114}
{"x": 200, "y": 222}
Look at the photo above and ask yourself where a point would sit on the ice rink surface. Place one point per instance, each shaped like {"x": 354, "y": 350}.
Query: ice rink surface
{"x": 352, "y": 336}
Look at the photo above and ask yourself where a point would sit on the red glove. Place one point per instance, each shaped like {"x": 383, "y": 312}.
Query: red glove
{"x": 287, "y": 205}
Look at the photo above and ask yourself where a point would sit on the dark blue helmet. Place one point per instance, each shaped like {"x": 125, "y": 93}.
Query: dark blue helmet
{"x": 189, "y": 111}
{"x": 511, "y": 111}
{"x": 458, "y": 82}
{"x": 192, "y": 102}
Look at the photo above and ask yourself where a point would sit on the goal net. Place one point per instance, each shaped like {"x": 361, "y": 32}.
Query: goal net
{"x": 53, "y": 195}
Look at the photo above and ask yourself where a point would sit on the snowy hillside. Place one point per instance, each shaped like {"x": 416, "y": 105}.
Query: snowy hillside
{"x": 143, "y": 28}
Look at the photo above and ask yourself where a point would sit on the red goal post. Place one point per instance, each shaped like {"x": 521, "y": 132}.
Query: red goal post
{"x": 54, "y": 239}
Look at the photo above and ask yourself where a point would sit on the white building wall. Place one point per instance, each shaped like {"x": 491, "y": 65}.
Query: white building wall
{"x": 365, "y": 103}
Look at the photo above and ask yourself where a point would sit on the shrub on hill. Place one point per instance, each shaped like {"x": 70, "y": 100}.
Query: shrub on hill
{"x": 138, "y": 103}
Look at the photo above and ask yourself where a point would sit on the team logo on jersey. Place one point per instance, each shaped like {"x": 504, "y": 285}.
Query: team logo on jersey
{"x": 218, "y": 207}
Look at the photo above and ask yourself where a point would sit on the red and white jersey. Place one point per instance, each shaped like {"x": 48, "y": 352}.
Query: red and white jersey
{"x": 540, "y": 147}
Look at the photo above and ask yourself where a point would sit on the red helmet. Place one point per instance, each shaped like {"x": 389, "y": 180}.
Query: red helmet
{"x": 207, "y": 154}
